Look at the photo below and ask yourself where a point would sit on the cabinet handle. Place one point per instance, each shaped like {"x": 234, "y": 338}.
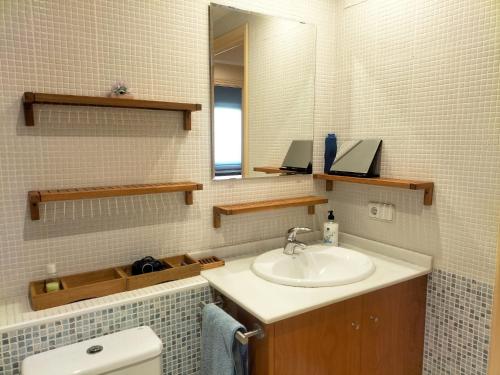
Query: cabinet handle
{"x": 374, "y": 318}
{"x": 356, "y": 325}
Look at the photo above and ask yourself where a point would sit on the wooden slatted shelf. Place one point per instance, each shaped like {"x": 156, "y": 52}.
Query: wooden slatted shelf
{"x": 210, "y": 262}
{"x": 241, "y": 208}
{"x": 31, "y": 98}
{"x": 37, "y": 197}
{"x": 426, "y": 186}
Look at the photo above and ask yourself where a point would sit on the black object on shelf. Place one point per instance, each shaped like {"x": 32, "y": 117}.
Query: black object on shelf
{"x": 146, "y": 265}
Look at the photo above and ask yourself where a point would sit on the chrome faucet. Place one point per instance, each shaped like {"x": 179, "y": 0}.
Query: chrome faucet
{"x": 291, "y": 243}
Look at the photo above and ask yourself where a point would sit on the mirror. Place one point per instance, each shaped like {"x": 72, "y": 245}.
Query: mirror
{"x": 263, "y": 72}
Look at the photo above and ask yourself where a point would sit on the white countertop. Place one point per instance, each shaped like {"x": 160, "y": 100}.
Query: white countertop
{"x": 271, "y": 302}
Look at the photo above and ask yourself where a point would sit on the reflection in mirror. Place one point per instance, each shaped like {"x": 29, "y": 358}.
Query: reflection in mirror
{"x": 263, "y": 71}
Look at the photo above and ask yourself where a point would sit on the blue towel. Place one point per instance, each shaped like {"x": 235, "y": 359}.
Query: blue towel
{"x": 221, "y": 353}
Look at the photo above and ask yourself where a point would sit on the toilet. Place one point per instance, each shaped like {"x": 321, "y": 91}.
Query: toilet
{"x": 130, "y": 352}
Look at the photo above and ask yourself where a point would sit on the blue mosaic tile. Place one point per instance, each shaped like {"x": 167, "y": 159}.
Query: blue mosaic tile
{"x": 174, "y": 318}
{"x": 457, "y": 333}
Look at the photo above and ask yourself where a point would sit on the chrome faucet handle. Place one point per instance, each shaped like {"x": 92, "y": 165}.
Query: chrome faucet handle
{"x": 292, "y": 232}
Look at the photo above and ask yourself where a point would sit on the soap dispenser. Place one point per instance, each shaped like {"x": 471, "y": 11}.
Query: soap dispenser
{"x": 331, "y": 231}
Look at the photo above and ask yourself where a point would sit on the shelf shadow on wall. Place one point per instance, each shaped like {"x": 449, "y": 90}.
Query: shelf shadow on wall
{"x": 69, "y": 218}
{"x": 64, "y": 121}
{"x": 414, "y": 227}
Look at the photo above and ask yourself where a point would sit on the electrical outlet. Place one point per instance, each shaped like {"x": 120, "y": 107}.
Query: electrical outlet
{"x": 381, "y": 211}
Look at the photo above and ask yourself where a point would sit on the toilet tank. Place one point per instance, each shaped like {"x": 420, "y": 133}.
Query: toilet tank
{"x": 130, "y": 352}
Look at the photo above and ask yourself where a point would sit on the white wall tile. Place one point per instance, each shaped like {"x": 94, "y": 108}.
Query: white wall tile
{"x": 424, "y": 77}
{"x": 160, "y": 48}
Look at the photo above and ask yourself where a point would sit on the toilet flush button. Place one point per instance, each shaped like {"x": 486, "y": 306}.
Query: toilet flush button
{"x": 95, "y": 349}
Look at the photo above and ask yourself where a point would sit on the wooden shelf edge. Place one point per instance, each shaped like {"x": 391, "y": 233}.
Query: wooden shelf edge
{"x": 275, "y": 170}
{"x": 236, "y": 209}
{"x": 268, "y": 170}
{"x": 31, "y": 98}
{"x": 37, "y": 197}
{"x": 426, "y": 186}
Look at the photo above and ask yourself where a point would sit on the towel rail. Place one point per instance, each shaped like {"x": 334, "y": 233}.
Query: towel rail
{"x": 242, "y": 337}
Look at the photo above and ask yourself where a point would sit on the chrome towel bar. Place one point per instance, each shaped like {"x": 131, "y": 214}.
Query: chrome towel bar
{"x": 242, "y": 337}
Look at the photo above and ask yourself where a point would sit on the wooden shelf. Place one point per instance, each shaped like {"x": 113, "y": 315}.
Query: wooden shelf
{"x": 78, "y": 287}
{"x": 236, "y": 209}
{"x": 108, "y": 281}
{"x": 426, "y": 186}
{"x": 273, "y": 170}
{"x": 209, "y": 262}
{"x": 178, "y": 267}
{"x": 36, "y": 197}
{"x": 31, "y": 98}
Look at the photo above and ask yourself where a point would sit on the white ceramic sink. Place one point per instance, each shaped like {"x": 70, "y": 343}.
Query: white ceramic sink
{"x": 316, "y": 266}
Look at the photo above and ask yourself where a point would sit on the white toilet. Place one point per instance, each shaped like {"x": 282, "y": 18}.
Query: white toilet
{"x": 131, "y": 352}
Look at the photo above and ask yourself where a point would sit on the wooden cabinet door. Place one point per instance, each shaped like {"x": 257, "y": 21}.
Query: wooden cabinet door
{"x": 380, "y": 333}
{"x": 321, "y": 342}
{"x": 393, "y": 329}
{"x": 410, "y": 323}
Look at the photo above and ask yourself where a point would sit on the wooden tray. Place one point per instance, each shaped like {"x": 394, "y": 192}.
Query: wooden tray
{"x": 77, "y": 288}
{"x": 210, "y": 262}
{"x": 178, "y": 267}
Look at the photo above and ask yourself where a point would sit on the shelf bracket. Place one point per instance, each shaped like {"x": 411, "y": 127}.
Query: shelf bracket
{"x": 29, "y": 115}
{"x": 34, "y": 200}
{"x": 217, "y": 218}
{"x": 187, "y": 120}
{"x": 428, "y": 193}
{"x": 188, "y": 197}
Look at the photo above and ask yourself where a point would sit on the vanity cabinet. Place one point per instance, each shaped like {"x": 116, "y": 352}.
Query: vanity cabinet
{"x": 379, "y": 333}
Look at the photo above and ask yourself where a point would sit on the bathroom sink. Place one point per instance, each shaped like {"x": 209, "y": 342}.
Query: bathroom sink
{"x": 316, "y": 266}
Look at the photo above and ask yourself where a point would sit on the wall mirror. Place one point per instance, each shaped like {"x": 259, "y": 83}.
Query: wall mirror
{"x": 263, "y": 73}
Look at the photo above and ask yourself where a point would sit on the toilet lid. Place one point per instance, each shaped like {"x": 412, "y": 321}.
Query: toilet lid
{"x": 97, "y": 356}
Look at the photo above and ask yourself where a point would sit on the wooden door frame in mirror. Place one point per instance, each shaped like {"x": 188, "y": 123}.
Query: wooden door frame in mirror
{"x": 225, "y": 42}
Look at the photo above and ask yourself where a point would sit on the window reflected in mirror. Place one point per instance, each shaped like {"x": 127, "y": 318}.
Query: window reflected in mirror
{"x": 227, "y": 131}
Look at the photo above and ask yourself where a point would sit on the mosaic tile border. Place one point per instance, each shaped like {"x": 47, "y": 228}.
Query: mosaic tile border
{"x": 173, "y": 317}
{"x": 457, "y": 330}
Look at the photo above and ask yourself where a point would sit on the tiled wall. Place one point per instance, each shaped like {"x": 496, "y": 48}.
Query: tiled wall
{"x": 423, "y": 76}
{"x": 175, "y": 318}
{"x": 161, "y": 49}
{"x": 280, "y": 90}
{"x": 457, "y": 332}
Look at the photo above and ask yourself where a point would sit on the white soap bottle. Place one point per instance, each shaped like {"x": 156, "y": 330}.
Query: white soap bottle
{"x": 331, "y": 231}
